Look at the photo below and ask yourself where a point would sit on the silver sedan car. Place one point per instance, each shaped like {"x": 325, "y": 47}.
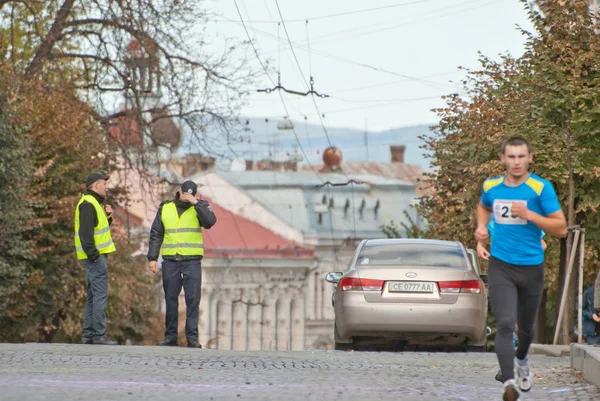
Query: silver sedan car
{"x": 411, "y": 291}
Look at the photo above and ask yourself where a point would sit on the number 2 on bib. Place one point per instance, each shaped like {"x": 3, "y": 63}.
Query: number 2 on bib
{"x": 503, "y": 212}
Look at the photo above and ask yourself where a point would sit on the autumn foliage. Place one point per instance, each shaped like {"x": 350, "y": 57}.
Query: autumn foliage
{"x": 63, "y": 66}
{"x": 549, "y": 95}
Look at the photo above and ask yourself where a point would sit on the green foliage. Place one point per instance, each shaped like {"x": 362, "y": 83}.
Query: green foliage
{"x": 411, "y": 230}
{"x": 551, "y": 96}
{"x": 15, "y": 215}
{"x": 48, "y": 297}
{"x": 58, "y": 62}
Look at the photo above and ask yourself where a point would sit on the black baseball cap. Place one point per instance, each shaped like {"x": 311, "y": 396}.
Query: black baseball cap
{"x": 95, "y": 176}
{"x": 190, "y": 187}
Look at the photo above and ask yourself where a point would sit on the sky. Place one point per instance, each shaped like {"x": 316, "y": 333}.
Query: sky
{"x": 383, "y": 63}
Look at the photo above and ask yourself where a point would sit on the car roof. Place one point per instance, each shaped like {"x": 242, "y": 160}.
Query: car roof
{"x": 420, "y": 241}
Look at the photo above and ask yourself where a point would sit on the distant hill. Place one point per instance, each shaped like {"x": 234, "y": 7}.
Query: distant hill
{"x": 264, "y": 139}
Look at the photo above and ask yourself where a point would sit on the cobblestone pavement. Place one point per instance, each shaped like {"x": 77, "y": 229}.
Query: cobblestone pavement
{"x": 56, "y": 372}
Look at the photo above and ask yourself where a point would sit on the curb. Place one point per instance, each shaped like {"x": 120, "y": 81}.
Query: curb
{"x": 550, "y": 350}
{"x": 586, "y": 359}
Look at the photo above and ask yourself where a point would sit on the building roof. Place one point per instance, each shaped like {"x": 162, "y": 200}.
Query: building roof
{"x": 399, "y": 171}
{"x": 301, "y": 179}
{"x": 233, "y": 235}
{"x": 298, "y": 203}
{"x": 236, "y": 236}
{"x": 236, "y": 200}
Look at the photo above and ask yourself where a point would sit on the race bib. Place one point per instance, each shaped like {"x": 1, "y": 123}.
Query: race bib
{"x": 503, "y": 212}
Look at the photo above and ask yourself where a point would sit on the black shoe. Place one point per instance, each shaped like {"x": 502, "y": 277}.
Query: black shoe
{"x": 193, "y": 343}
{"x": 500, "y": 377}
{"x": 168, "y": 343}
{"x": 103, "y": 341}
{"x": 86, "y": 340}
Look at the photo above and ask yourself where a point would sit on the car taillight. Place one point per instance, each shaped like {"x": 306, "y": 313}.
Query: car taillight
{"x": 360, "y": 284}
{"x": 467, "y": 286}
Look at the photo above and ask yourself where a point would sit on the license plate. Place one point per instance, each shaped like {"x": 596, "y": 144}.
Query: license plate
{"x": 410, "y": 286}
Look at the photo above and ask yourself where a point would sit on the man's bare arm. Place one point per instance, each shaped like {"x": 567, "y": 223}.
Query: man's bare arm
{"x": 484, "y": 214}
{"x": 554, "y": 224}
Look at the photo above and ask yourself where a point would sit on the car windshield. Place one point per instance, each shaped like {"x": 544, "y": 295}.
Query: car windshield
{"x": 411, "y": 254}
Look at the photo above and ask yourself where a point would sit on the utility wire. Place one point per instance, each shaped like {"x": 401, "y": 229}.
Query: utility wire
{"x": 413, "y": 19}
{"x": 349, "y": 181}
{"x": 280, "y": 95}
{"x": 348, "y": 61}
{"x": 294, "y": 129}
{"x": 326, "y": 16}
{"x": 303, "y": 77}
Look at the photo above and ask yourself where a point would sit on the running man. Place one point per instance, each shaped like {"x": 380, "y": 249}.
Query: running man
{"x": 523, "y": 205}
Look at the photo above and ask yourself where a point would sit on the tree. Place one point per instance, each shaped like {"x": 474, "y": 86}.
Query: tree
{"x": 550, "y": 96}
{"x": 411, "y": 230}
{"x": 152, "y": 53}
{"x": 49, "y": 286}
{"x": 67, "y": 67}
{"x": 15, "y": 216}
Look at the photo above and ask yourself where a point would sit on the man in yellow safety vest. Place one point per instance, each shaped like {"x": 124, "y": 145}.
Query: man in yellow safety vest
{"x": 93, "y": 243}
{"x": 178, "y": 229}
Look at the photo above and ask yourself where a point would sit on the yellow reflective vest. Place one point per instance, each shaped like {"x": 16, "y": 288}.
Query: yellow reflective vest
{"x": 183, "y": 235}
{"x": 102, "y": 238}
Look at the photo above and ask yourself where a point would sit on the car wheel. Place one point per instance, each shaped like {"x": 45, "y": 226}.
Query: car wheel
{"x": 341, "y": 346}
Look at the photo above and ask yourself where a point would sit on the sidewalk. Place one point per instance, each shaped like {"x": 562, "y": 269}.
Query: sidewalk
{"x": 586, "y": 359}
{"x": 550, "y": 350}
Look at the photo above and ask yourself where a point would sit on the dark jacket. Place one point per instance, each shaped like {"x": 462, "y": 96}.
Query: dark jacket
{"x": 587, "y": 310}
{"x": 206, "y": 218}
{"x": 597, "y": 293}
{"x": 88, "y": 219}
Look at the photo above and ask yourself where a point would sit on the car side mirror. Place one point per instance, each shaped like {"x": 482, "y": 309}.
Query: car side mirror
{"x": 333, "y": 277}
{"x": 474, "y": 261}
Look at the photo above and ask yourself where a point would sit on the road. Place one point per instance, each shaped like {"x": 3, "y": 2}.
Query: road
{"x": 57, "y": 372}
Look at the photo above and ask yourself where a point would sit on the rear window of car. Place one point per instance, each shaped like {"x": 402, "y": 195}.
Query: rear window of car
{"x": 426, "y": 255}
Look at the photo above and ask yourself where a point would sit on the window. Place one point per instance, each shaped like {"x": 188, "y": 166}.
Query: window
{"x": 411, "y": 254}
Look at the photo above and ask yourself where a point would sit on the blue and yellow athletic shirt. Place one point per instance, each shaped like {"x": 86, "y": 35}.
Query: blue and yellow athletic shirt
{"x": 491, "y": 227}
{"x": 515, "y": 240}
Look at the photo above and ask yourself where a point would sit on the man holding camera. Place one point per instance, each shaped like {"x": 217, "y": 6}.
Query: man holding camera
{"x": 178, "y": 229}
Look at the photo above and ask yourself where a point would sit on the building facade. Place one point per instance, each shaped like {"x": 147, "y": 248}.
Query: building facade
{"x": 329, "y": 213}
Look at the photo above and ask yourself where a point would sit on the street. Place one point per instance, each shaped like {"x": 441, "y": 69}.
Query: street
{"x": 56, "y": 372}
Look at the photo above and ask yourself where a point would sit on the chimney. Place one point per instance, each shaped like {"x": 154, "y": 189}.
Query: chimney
{"x": 276, "y": 166}
{"x": 195, "y": 162}
{"x": 207, "y": 163}
{"x": 290, "y": 165}
{"x": 249, "y": 164}
{"x": 189, "y": 164}
{"x": 263, "y": 165}
{"x": 397, "y": 153}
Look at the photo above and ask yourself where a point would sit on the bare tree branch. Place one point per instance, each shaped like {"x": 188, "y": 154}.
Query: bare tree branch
{"x": 53, "y": 34}
{"x": 143, "y": 37}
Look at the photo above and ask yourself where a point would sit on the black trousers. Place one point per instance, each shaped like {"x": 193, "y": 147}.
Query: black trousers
{"x": 175, "y": 275}
{"x": 515, "y": 295}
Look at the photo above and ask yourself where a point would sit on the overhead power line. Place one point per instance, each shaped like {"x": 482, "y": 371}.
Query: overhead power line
{"x": 434, "y": 85}
{"x": 419, "y": 18}
{"x": 334, "y": 15}
{"x": 348, "y": 180}
{"x": 280, "y": 95}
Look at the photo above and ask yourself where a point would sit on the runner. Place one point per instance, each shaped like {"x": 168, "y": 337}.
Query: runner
{"x": 483, "y": 253}
{"x": 523, "y": 205}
